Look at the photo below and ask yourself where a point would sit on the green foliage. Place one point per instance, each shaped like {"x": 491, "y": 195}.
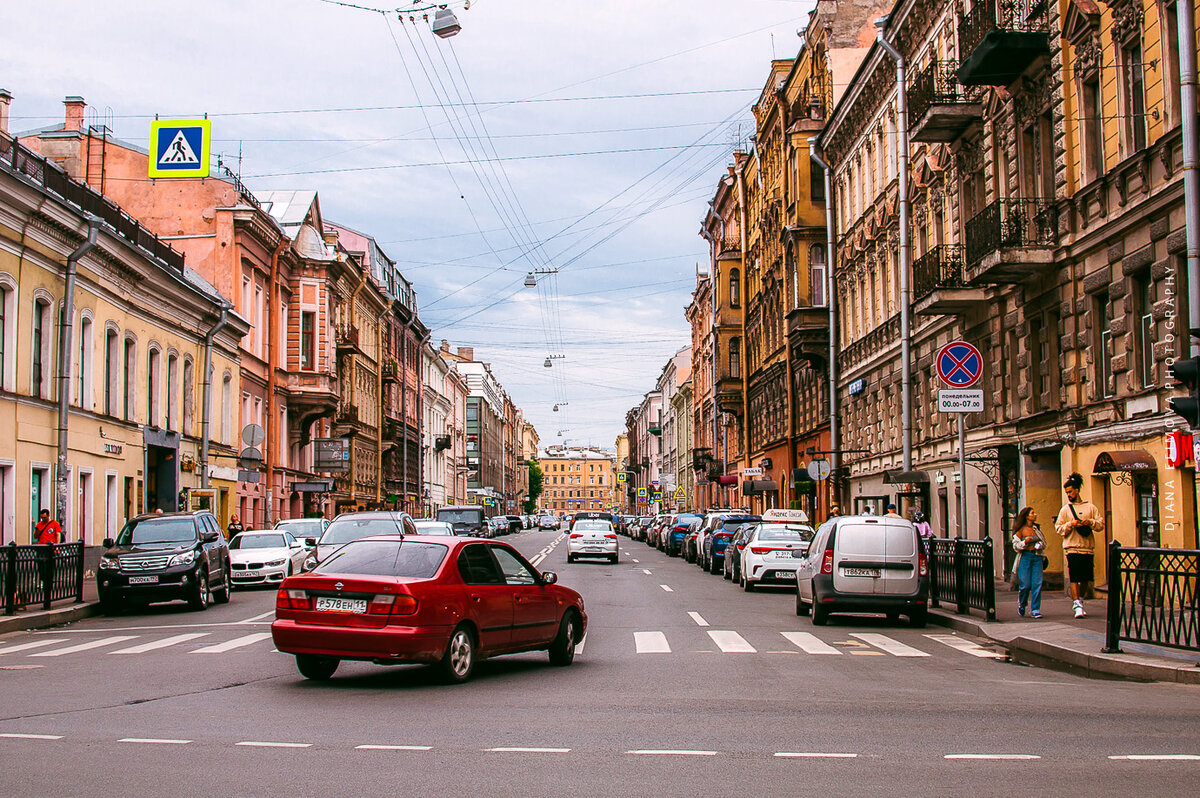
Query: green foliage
{"x": 536, "y": 480}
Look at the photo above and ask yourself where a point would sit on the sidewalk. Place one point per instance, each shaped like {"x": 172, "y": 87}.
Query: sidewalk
{"x": 60, "y": 612}
{"x": 1059, "y": 640}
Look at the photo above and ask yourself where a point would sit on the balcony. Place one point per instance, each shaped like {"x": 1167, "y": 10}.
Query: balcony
{"x": 347, "y": 414}
{"x": 999, "y": 39}
{"x": 390, "y": 371}
{"x": 940, "y": 109}
{"x": 1008, "y": 241}
{"x": 347, "y": 340}
{"x": 312, "y": 392}
{"x": 808, "y": 334}
{"x": 873, "y": 343}
{"x": 938, "y": 287}
{"x": 729, "y": 394}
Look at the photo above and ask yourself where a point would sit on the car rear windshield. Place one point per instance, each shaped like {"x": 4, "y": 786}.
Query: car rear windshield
{"x": 406, "y": 558}
{"x": 593, "y": 526}
{"x": 735, "y": 526}
{"x": 785, "y": 532}
{"x": 307, "y": 528}
{"x": 258, "y": 542}
{"x": 461, "y": 516}
{"x": 344, "y": 530}
{"x": 685, "y": 519}
{"x": 157, "y": 530}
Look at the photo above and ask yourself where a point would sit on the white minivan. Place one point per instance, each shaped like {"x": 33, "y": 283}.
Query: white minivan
{"x": 864, "y": 563}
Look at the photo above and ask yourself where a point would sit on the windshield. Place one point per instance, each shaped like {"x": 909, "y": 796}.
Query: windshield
{"x": 785, "y": 532}
{"x": 434, "y": 527}
{"x": 344, "y": 530}
{"x": 157, "y": 530}
{"x": 302, "y": 527}
{"x": 256, "y": 541}
{"x": 468, "y": 516}
{"x": 385, "y": 558}
{"x": 593, "y": 526}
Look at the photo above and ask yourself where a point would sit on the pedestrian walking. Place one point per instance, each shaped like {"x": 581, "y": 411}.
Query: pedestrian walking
{"x": 235, "y": 526}
{"x": 1078, "y": 522}
{"x": 1029, "y": 544}
{"x": 47, "y": 532}
{"x": 923, "y": 529}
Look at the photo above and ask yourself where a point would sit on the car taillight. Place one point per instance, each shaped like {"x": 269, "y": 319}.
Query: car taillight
{"x": 612, "y": 536}
{"x": 576, "y": 535}
{"x": 761, "y": 549}
{"x": 292, "y": 600}
{"x": 827, "y": 562}
{"x": 384, "y": 604}
{"x": 741, "y": 546}
{"x": 922, "y": 565}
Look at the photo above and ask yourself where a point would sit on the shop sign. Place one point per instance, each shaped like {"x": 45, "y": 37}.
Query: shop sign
{"x": 1179, "y": 448}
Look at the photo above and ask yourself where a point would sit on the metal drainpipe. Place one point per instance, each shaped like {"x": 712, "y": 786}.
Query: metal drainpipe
{"x": 905, "y": 253}
{"x": 743, "y": 235}
{"x": 1191, "y": 161}
{"x": 421, "y": 485}
{"x": 717, "y": 242}
{"x": 834, "y": 424}
{"x": 272, "y": 431}
{"x": 353, "y": 393}
{"x": 206, "y": 419}
{"x": 65, "y": 327}
{"x": 379, "y": 361}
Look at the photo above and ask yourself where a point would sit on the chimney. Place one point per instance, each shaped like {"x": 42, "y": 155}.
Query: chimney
{"x": 74, "y": 115}
{"x": 5, "y": 99}
{"x": 331, "y": 237}
{"x": 466, "y": 352}
{"x": 445, "y": 346}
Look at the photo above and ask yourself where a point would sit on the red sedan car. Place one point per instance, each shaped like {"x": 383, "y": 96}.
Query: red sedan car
{"x": 449, "y": 601}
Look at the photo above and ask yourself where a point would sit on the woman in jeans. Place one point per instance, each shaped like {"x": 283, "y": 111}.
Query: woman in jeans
{"x": 1029, "y": 544}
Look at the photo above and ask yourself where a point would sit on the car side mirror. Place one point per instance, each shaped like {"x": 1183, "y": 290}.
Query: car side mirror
{"x": 310, "y": 542}
{"x": 799, "y": 554}
{"x": 549, "y": 578}
{"x": 108, "y": 543}
{"x": 210, "y": 537}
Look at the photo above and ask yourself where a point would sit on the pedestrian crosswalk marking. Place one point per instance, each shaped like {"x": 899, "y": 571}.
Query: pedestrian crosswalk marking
{"x": 28, "y": 646}
{"x": 651, "y": 643}
{"x": 88, "y": 646}
{"x": 966, "y": 646}
{"x": 885, "y": 643}
{"x": 731, "y": 643}
{"x": 230, "y": 645}
{"x": 809, "y": 643}
{"x": 157, "y": 644}
{"x": 698, "y": 618}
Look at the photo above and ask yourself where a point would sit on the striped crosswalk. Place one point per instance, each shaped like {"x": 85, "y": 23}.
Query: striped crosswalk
{"x": 147, "y": 642}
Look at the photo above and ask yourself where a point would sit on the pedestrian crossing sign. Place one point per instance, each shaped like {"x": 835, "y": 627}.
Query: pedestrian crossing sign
{"x": 621, "y": 476}
{"x": 657, "y": 496}
{"x": 180, "y": 147}
{"x": 641, "y": 492}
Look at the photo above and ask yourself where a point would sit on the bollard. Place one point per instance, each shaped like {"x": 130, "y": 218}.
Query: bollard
{"x": 10, "y": 578}
{"x": 1112, "y": 624}
{"x": 960, "y": 577}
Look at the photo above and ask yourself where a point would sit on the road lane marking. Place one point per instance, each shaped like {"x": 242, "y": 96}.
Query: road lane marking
{"x": 88, "y": 646}
{"x": 893, "y": 647}
{"x": 812, "y": 755}
{"x": 965, "y": 646}
{"x": 18, "y": 736}
{"x": 259, "y": 617}
{"x": 637, "y": 560}
{"x": 520, "y": 750}
{"x": 809, "y": 643}
{"x": 651, "y": 643}
{"x": 669, "y": 752}
{"x": 156, "y": 644}
{"x": 230, "y": 645}
{"x": 393, "y": 747}
{"x": 646, "y": 571}
{"x": 732, "y": 643}
{"x": 1157, "y": 757}
{"x": 153, "y": 741}
{"x": 695, "y": 616}
{"x": 260, "y": 744}
{"x": 27, "y": 646}
{"x": 992, "y": 756}
{"x": 667, "y": 588}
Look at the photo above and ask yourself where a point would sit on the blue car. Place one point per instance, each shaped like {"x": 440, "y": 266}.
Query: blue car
{"x": 712, "y": 558}
{"x": 677, "y": 531}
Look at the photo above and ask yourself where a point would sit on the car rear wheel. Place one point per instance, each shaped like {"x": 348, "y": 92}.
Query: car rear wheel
{"x": 202, "y": 593}
{"x": 801, "y": 607}
{"x": 747, "y": 585}
{"x": 713, "y": 568}
{"x": 615, "y": 559}
{"x": 562, "y": 650}
{"x": 919, "y": 618}
{"x": 317, "y": 668}
{"x": 459, "y": 660}
{"x": 221, "y": 596}
{"x": 570, "y": 558}
{"x": 820, "y": 614}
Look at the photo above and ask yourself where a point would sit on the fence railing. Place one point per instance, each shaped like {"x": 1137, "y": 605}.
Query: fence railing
{"x": 940, "y": 267}
{"x": 1010, "y": 223}
{"x": 937, "y": 84}
{"x": 1152, "y": 597}
{"x": 32, "y": 575}
{"x": 1005, "y": 15}
{"x": 870, "y": 344}
{"x": 960, "y": 573}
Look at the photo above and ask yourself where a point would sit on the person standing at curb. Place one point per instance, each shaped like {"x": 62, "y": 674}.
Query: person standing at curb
{"x": 1078, "y": 522}
{"x": 47, "y": 531}
{"x": 1029, "y": 544}
{"x": 235, "y": 527}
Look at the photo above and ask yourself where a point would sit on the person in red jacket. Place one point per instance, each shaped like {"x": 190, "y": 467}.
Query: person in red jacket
{"x": 47, "y": 531}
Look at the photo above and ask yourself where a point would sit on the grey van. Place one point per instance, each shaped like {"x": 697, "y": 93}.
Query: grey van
{"x": 864, "y": 563}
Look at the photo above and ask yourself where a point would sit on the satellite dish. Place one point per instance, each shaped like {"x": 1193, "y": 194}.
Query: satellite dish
{"x": 253, "y": 435}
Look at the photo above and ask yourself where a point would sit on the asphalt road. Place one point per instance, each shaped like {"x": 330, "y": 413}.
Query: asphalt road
{"x": 685, "y": 685}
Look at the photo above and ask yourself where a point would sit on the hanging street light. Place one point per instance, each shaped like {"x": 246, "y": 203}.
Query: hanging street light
{"x": 530, "y": 280}
{"x": 445, "y": 24}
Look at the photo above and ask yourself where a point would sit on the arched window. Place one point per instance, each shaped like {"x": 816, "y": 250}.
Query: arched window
{"x": 154, "y": 388}
{"x": 172, "y": 391}
{"x": 735, "y": 288}
{"x": 226, "y": 408}
{"x": 735, "y": 358}
{"x": 816, "y": 264}
{"x": 42, "y": 333}
{"x": 84, "y": 395}
{"x": 112, "y": 367}
{"x": 8, "y": 333}
{"x": 189, "y": 395}
{"x": 130, "y": 391}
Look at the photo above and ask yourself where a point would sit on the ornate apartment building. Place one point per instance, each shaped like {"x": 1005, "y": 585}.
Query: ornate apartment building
{"x": 577, "y": 479}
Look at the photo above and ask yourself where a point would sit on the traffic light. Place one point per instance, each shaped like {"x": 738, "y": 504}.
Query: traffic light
{"x": 1186, "y": 373}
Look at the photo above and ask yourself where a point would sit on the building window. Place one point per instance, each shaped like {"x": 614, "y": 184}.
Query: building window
{"x": 154, "y": 387}
{"x": 1105, "y": 380}
{"x": 130, "y": 392}
{"x": 735, "y": 288}
{"x": 6, "y": 316}
{"x": 172, "y": 391}
{"x": 1144, "y": 333}
{"x": 111, "y": 369}
{"x": 189, "y": 395}
{"x": 816, "y": 263}
{"x": 816, "y": 183}
{"x": 40, "y": 386}
{"x": 735, "y": 358}
{"x": 227, "y": 408}
{"x": 1133, "y": 81}
{"x": 1170, "y": 48}
{"x": 308, "y": 340}
{"x": 1091, "y": 108}
{"x": 83, "y": 371}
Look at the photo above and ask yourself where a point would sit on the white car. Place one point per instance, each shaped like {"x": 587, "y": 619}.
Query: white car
{"x": 302, "y": 528}
{"x": 427, "y": 526}
{"x": 264, "y": 557}
{"x": 548, "y": 522}
{"x": 772, "y": 553}
{"x": 592, "y": 537}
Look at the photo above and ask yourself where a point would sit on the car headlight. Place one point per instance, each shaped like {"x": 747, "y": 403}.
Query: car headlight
{"x": 109, "y": 564}
{"x": 186, "y": 558}
{"x": 274, "y": 563}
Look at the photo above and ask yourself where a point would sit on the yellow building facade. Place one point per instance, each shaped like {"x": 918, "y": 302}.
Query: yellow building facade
{"x": 577, "y": 479}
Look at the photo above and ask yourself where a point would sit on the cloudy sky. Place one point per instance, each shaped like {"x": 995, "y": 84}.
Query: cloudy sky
{"x": 579, "y": 139}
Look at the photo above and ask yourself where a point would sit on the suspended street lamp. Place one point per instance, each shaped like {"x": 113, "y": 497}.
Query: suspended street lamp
{"x": 445, "y": 24}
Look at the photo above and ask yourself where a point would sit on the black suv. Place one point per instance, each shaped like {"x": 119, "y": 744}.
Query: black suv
{"x": 165, "y": 556}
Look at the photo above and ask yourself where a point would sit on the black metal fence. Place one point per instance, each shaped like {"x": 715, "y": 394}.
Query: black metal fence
{"x": 1152, "y": 597}
{"x": 960, "y": 573}
{"x": 986, "y": 16}
{"x": 33, "y": 575}
{"x": 937, "y": 84}
{"x": 1010, "y": 223}
{"x": 940, "y": 267}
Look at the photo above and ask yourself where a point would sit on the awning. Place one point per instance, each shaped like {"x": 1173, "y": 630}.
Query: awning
{"x": 904, "y": 477}
{"x": 727, "y": 479}
{"x": 753, "y": 486}
{"x": 1124, "y": 460}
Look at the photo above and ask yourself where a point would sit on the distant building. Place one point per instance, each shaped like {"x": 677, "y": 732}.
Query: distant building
{"x": 577, "y": 479}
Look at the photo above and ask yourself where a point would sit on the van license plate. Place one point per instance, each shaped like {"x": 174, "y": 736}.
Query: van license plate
{"x": 143, "y": 580}
{"x": 331, "y": 604}
{"x": 871, "y": 572}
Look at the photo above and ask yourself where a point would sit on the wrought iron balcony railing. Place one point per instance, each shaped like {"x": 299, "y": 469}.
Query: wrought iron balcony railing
{"x": 997, "y": 39}
{"x": 872, "y": 343}
{"x": 936, "y": 85}
{"x": 940, "y": 267}
{"x": 1010, "y": 223}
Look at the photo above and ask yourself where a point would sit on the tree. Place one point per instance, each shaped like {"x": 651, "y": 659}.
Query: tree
{"x": 535, "y": 486}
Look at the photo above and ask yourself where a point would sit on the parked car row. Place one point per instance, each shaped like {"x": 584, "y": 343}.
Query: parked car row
{"x": 850, "y": 564}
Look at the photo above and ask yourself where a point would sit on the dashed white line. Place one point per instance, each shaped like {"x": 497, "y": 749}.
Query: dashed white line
{"x": 230, "y": 645}
{"x": 1158, "y": 757}
{"x": 646, "y": 571}
{"x": 695, "y": 616}
{"x": 393, "y": 747}
{"x": 637, "y": 560}
{"x": 261, "y": 744}
{"x": 812, "y": 755}
{"x": 809, "y": 643}
{"x": 520, "y": 750}
{"x": 667, "y": 588}
{"x": 106, "y": 641}
{"x": 651, "y": 643}
{"x": 156, "y": 644}
{"x": 731, "y": 643}
{"x": 270, "y": 614}
{"x": 893, "y": 647}
{"x": 992, "y": 756}
{"x": 18, "y": 736}
{"x": 153, "y": 741}
{"x": 28, "y": 646}
{"x": 669, "y": 752}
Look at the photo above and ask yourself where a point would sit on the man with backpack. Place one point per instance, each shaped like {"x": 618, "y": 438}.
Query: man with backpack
{"x": 1078, "y": 523}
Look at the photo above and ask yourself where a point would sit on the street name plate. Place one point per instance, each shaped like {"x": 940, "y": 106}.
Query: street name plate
{"x": 960, "y": 401}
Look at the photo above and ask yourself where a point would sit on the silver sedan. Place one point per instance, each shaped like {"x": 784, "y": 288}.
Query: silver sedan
{"x": 592, "y": 538}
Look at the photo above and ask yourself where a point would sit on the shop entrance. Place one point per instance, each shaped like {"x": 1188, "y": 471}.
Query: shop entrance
{"x": 1145, "y": 493}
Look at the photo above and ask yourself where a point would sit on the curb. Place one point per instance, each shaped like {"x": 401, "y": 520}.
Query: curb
{"x": 1033, "y": 651}
{"x": 47, "y": 618}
